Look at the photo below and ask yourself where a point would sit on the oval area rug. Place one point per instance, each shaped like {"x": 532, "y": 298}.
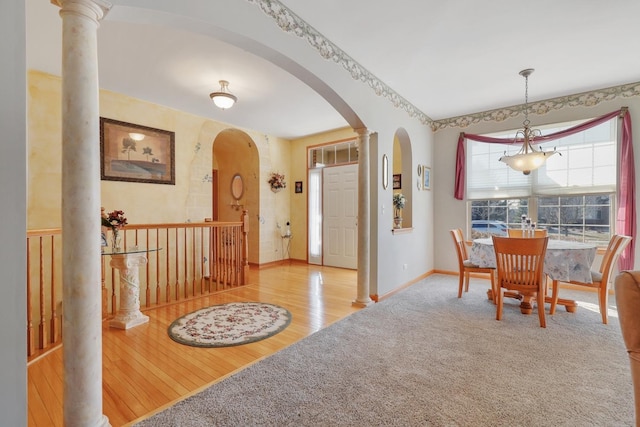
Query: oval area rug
{"x": 229, "y": 324}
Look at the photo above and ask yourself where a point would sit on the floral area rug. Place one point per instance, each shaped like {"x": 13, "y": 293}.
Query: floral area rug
{"x": 229, "y": 324}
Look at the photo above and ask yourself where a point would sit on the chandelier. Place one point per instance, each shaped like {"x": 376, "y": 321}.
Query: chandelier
{"x": 528, "y": 158}
{"x": 223, "y": 98}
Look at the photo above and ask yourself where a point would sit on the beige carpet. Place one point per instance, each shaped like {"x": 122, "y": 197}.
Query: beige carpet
{"x": 425, "y": 358}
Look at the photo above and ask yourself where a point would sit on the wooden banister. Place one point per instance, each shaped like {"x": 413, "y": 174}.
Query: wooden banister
{"x": 195, "y": 259}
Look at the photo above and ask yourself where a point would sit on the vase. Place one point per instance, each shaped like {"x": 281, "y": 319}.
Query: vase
{"x": 116, "y": 239}
{"x": 397, "y": 222}
{"x": 276, "y": 189}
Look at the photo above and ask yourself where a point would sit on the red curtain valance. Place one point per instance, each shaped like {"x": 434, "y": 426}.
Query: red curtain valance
{"x": 626, "y": 216}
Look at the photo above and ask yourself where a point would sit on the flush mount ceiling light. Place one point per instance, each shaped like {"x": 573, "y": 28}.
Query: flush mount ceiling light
{"x": 223, "y": 98}
{"x": 136, "y": 136}
{"x": 528, "y": 158}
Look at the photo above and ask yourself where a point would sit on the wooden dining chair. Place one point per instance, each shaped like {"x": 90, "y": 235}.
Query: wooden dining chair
{"x": 600, "y": 278}
{"x": 519, "y": 265}
{"x": 466, "y": 267}
{"x": 517, "y": 232}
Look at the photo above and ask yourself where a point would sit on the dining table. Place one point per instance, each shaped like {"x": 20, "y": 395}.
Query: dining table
{"x": 564, "y": 261}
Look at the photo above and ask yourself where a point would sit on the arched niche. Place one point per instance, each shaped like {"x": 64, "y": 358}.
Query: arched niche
{"x": 235, "y": 186}
{"x": 402, "y": 173}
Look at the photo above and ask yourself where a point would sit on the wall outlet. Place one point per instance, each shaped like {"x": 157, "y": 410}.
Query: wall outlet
{"x": 404, "y": 266}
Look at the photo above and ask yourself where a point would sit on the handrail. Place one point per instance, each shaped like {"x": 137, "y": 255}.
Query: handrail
{"x": 196, "y": 259}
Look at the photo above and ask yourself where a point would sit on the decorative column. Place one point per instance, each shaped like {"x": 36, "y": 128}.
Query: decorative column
{"x": 82, "y": 320}
{"x": 364, "y": 219}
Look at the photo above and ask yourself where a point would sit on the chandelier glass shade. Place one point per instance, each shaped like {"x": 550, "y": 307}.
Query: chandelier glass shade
{"x": 223, "y": 98}
{"x": 528, "y": 158}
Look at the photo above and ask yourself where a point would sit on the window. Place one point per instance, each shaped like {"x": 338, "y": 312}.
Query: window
{"x": 499, "y": 215}
{"x": 333, "y": 154}
{"x": 572, "y": 195}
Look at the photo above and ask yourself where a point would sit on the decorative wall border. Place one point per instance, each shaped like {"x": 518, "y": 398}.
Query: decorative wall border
{"x": 292, "y": 23}
{"x": 584, "y": 99}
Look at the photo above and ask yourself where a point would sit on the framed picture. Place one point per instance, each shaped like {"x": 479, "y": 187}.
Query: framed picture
{"x": 426, "y": 178}
{"x": 298, "y": 186}
{"x": 136, "y": 153}
{"x": 397, "y": 181}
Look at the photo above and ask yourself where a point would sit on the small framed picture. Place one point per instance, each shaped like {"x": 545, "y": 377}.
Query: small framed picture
{"x": 298, "y": 186}
{"x": 397, "y": 181}
{"x": 426, "y": 178}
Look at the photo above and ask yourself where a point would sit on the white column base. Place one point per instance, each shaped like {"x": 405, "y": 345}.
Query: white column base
{"x": 362, "y": 304}
{"x": 126, "y": 321}
{"x": 104, "y": 422}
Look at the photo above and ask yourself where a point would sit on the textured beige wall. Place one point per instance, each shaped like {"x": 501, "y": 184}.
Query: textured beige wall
{"x": 189, "y": 200}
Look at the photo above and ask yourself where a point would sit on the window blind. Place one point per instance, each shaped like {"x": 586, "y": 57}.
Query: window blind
{"x": 587, "y": 165}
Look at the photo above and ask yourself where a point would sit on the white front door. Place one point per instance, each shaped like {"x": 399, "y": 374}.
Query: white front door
{"x": 340, "y": 216}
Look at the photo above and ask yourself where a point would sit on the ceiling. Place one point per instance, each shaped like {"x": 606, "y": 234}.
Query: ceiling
{"x": 447, "y": 58}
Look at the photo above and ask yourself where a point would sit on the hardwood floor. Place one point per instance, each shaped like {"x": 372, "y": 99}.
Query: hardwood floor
{"x": 145, "y": 371}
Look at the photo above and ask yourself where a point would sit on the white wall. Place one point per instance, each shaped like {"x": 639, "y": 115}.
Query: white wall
{"x": 13, "y": 193}
{"x": 451, "y": 213}
{"x": 401, "y": 257}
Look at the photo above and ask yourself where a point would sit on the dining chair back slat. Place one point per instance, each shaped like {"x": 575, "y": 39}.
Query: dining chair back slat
{"x": 465, "y": 267}
{"x": 520, "y": 267}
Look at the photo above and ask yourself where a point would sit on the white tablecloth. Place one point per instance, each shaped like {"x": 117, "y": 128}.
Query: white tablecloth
{"x": 563, "y": 261}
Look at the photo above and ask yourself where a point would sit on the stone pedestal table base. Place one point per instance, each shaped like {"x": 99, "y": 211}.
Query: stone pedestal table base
{"x": 128, "y": 314}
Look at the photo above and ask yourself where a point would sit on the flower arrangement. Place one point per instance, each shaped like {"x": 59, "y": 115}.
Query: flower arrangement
{"x": 398, "y": 203}
{"x": 115, "y": 220}
{"x": 276, "y": 181}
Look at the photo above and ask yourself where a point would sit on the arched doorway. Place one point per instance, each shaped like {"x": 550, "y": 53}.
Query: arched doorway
{"x": 235, "y": 155}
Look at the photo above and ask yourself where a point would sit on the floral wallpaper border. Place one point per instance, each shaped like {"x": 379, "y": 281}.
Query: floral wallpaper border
{"x": 292, "y": 23}
{"x": 585, "y": 99}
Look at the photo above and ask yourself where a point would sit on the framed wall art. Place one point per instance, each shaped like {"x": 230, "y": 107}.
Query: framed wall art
{"x": 397, "y": 181}
{"x": 426, "y": 178}
{"x": 135, "y": 153}
{"x": 298, "y": 186}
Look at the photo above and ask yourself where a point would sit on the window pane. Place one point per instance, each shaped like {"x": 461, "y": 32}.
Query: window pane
{"x": 494, "y": 217}
{"x": 573, "y": 193}
{"x": 587, "y": 163}
{"x": 487, "y": 177}
{"x": 580, "y": 218}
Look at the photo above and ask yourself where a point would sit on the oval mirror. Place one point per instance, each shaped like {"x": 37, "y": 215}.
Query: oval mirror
{"x": 385, "y": 171}
{"x": 237, "y": 186}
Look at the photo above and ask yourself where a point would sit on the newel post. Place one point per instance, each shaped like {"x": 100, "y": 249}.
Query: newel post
{"x": 245, "y": 247}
